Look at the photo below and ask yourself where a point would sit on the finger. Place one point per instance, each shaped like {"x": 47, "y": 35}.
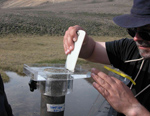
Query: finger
{"x": 100, "y": 89}
{"x": 70, "y": 43}
{"x": 65, "y": 49}
{"x": 98, "y": 79}
{"x": 94, "y": 70}
{"x": 77, "y": 27}
{"x": 115, "y": 79}
{"x": 65, "y": 41}
{"x": 104, "y": 76}
{"x": 118, "y": 82}
{"x": 101, "y": 81}
{"x": 75, "y": 38}
{"x": 69, "y": 39}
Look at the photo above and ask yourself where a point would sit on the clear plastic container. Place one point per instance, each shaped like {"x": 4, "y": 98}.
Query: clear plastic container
{"x": 53, "y": 79}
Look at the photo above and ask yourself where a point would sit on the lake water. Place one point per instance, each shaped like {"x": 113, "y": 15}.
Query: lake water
{"x": 27, "y": 103}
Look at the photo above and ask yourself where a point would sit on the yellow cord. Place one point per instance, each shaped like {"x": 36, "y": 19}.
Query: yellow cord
{"x": 120, "y": 73}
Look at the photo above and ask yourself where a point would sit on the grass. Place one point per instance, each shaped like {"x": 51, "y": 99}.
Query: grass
{"x": 29, "y": 36}
{"x": 17, "y": 50}
{"x": 55, "y": 24}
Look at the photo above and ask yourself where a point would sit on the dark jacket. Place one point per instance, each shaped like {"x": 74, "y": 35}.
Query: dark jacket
{"x": 5, "y": 108}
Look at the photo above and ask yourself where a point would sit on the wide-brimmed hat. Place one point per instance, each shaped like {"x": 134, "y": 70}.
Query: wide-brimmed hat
{"x": 139, "y": 16}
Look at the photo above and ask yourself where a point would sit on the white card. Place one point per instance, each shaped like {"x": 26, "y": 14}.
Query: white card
{"x": 73, "y": 56}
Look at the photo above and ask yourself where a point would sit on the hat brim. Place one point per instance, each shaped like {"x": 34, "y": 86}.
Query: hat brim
{"x": 130, "y": 21}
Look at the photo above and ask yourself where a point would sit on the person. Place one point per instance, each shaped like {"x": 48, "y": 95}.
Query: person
{"x": 131, "y": 56}
{"x": 5, "y": 108}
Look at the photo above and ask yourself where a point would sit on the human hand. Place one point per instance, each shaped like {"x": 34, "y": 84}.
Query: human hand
{"x": 119, "y": 96}
{"x": 70, "y": 37}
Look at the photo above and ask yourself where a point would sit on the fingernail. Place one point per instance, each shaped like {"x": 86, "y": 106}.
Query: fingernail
{"x": 65, "y": 52}
{"x": 70, "y": 47}
{"x": 68, "y": 51}
{"x": 74, "y": 39}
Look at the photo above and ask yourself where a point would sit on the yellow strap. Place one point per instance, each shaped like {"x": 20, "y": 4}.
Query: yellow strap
{"x": 120, "y": 73}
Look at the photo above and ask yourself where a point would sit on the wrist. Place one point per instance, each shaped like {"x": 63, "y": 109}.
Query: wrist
{"x": 137, "y": 110}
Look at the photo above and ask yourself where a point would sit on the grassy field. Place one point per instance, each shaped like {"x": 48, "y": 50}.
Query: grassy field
{"x": 55, "y": 24}
{"x": 53, "y": 19}
{"x": 35, "y": 34}
{"x": 17, "y": 50}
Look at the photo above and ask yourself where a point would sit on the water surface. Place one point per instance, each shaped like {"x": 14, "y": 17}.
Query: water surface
{"x": 26, "y": 103}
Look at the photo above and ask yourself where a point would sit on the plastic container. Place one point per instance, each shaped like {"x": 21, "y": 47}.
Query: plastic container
{"x": 54, "y": 79}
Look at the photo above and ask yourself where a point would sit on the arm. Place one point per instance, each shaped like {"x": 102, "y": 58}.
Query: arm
{"x": 118, "y": 94}
{"x": 91, "y": 50}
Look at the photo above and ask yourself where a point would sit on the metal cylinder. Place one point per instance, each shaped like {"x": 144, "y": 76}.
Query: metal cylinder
{"x": 52, "y": 105}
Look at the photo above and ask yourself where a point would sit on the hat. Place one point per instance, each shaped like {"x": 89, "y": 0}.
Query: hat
{"x": 139, "y": 16}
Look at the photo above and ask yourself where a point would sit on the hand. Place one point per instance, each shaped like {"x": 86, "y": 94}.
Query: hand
{"x": 70, "y": 37}
{"x": 119, "y": 96}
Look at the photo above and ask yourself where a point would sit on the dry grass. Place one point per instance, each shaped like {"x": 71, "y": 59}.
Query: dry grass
{"x": 27, "y": 3}
{"x": 72, "y": 6}
{"x": 95, "y": 16}
{"x": 19, "y": 50}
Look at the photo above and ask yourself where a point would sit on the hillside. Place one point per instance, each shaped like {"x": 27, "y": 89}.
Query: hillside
{"x": 45, "y": 17}
{"x": 105, "y": 6}
{"x": 27, "y": 3}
